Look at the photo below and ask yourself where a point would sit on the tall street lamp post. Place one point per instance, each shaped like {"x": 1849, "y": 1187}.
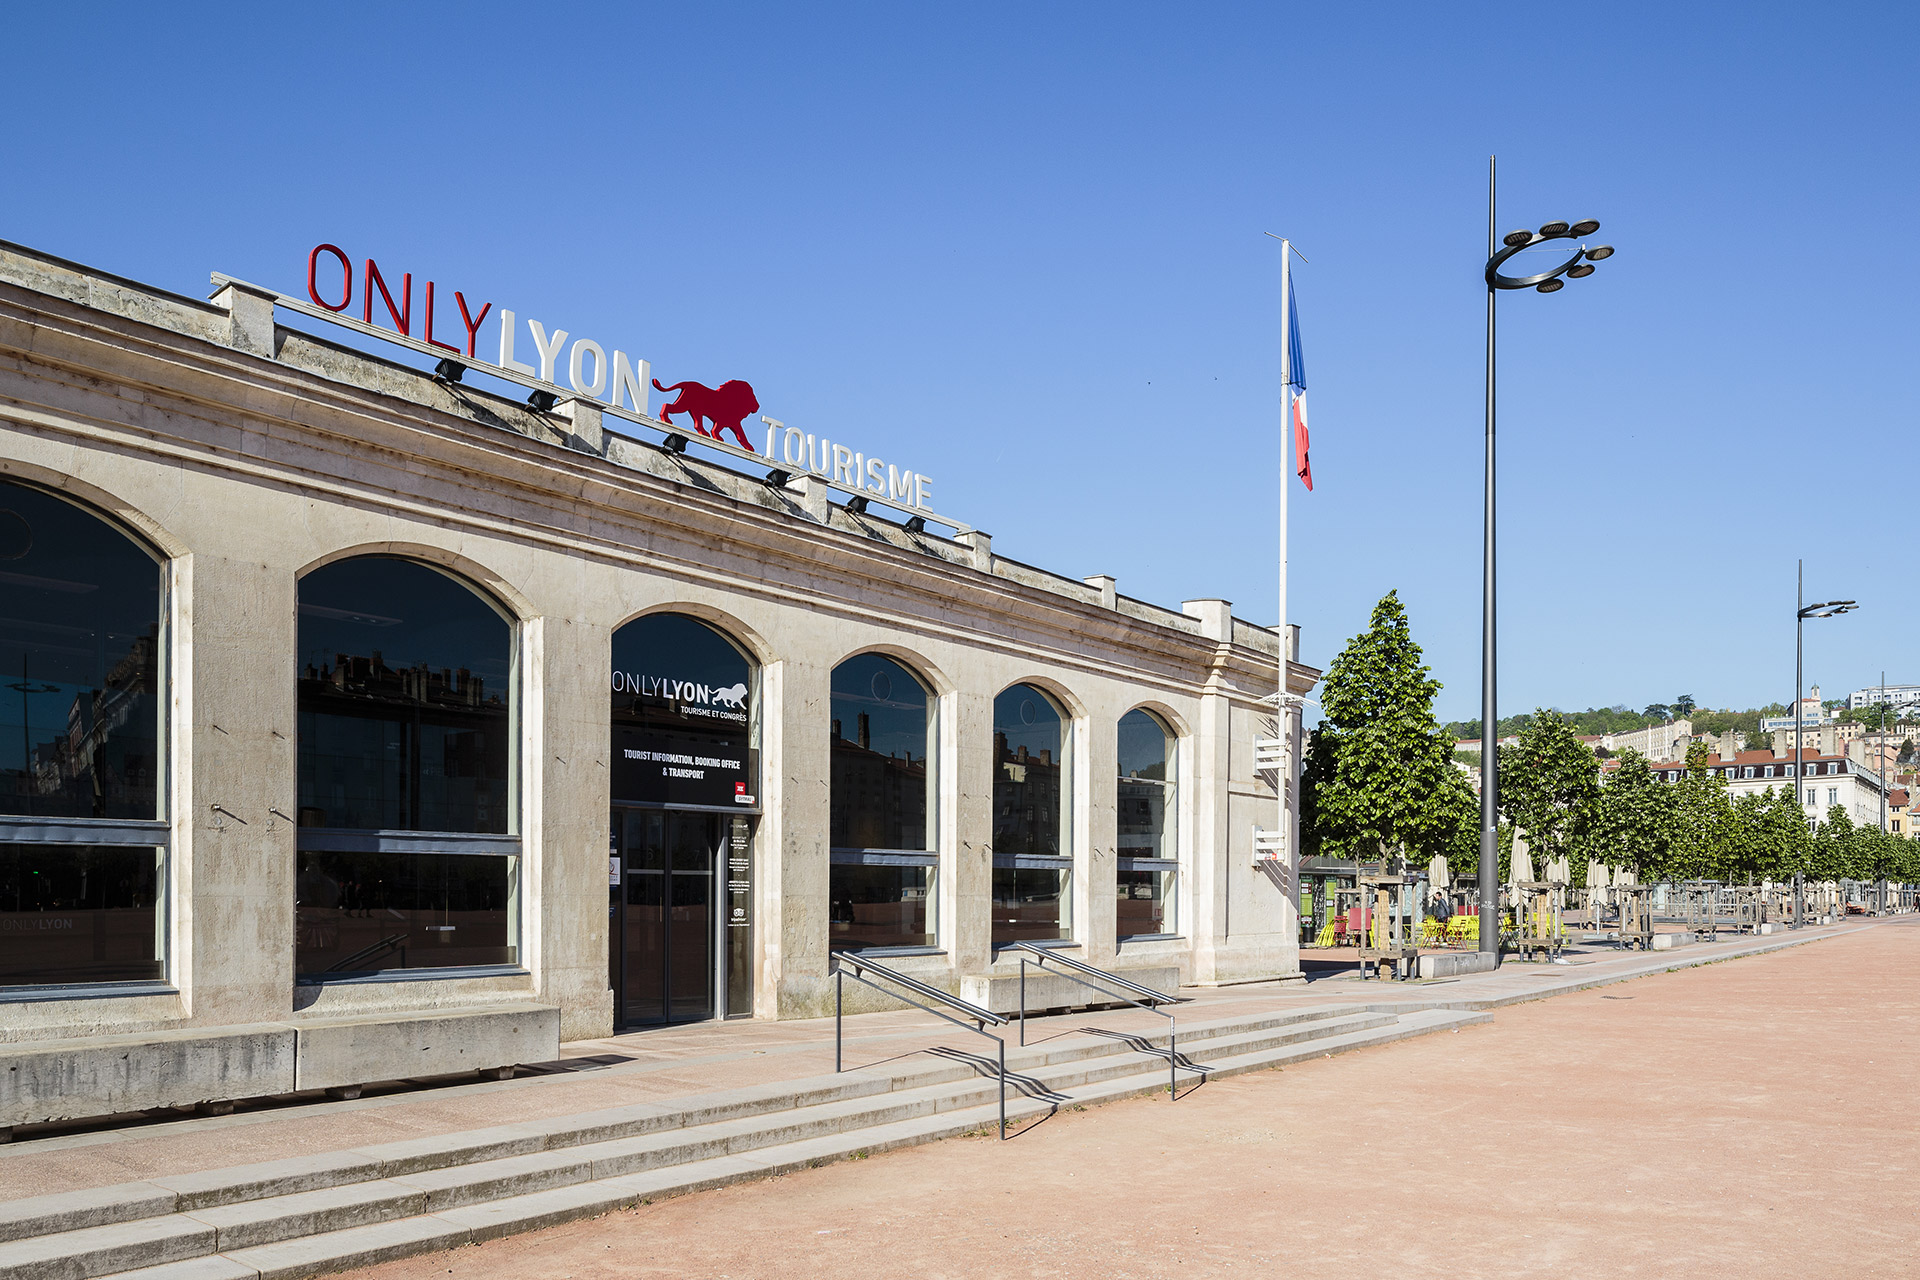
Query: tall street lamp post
{"x": 1578, "y": 264}
{"x": 1826, "y": 609}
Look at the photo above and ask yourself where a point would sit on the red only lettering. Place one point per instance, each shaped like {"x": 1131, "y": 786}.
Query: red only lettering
{"x": 401, "y": 315}
{"x": 346, "y": 277}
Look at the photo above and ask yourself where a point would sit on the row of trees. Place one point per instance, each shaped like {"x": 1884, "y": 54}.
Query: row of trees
{"x": 1379, "y": 776}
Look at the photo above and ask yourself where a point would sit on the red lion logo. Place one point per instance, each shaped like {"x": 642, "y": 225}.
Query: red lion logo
{"x": 726, "y": 405}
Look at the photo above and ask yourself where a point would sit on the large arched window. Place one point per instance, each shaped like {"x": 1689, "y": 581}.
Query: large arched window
{"x": 1146, "y": 834}
{"x": 1032, "y": 848}
{"x": 82, "y": 742}
{"x": 883, "y": 811}
{"x": 409, "y": 853}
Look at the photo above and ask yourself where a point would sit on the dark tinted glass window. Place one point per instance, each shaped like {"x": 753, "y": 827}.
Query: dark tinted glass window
{"x": 881, "y": 746}
{"x": 364, "y": 912}
{"x": 79, "y": 913}
{"x": 405, "y": 687}
{"x": 1028, "y": 736}
{"x": 1030, "y": 904}
{"x": 80, "y": 610}
{"x": 877, "y": 905}
{"x": 1145, "y": 800}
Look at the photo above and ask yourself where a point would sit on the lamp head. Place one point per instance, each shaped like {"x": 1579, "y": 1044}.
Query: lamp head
{"x": 1599, "y": 253}
{"x": 1555, "y": 228}
{"x": 1586, "y": 226}
{"x": 1514, "y": 239}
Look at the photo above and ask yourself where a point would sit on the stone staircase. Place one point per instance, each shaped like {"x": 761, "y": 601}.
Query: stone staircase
{"x": 315, "y": 1214}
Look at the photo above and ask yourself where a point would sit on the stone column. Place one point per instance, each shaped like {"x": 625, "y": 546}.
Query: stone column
{"x": 791, "y": 855}
{"x": 1096, "y": 794}
{"x": 235, "y": 857}
{"x": 966, "y": 821}
{"x": 564, "y": 757}
{"x": 1212, "y": 846}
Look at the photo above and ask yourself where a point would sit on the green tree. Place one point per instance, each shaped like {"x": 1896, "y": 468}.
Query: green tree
{"x": 1379, "y": 769}
{"x": 1683, "y": 706}
{"x": 1656, "y": 711}
{"x": 1634, "y": 820}
{"x": 1550, "y": 787}
{"x": 1704, "y": 847}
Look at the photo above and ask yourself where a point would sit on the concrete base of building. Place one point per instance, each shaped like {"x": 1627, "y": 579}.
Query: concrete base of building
{"x": 1668, "y": 941}
{"x": 1451, "y": 964}
{"x": 47, "y": 1080}
{"x": 1000, "y": 992}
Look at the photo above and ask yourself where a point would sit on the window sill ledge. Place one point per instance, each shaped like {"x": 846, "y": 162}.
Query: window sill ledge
{"x": 1152, "y": 937}
{"x": 881, "y": 953}
{"x": 85, "y": 991}
{"x": 414, "y": 975}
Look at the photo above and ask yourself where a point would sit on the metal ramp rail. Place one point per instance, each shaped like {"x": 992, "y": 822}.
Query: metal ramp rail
{"x": 851, "y": 965}
{"x": 1095, "y": 976}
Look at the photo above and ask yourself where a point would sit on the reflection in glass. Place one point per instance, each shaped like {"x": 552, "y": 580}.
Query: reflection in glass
{"x": 80, "y": 612}
{"x": 79, "y": 913}
{"x": 366, "y": 912}
{"x": 1030, "y": 904}
{"x": 1145, "y": 814}
{"x": 881, "y": 746}
{"x": 1028, "y": 744}
{"x": 405, "y": 681}
{"x": 1144, "y": 902}
{"x": 880, "y": 906}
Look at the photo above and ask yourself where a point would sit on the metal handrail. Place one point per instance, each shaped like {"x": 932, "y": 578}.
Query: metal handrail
{"x": 1042, "y": 956}
{"x": 966, "y": 1008}
{"x": 848, "y": 966}
{"x": 1050, "y": 954}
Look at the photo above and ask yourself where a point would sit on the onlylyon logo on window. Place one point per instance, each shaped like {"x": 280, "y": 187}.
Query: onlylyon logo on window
{"x": 688, "y": 691}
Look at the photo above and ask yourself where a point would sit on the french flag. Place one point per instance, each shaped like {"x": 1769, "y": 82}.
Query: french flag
{"x": 1297, "y": 384}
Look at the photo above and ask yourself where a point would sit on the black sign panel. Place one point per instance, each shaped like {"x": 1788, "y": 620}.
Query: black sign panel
{"x": 675, "y": 766}
{"x": 683, "y": 698}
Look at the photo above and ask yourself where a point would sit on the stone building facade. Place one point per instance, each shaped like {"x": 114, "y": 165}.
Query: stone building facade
{"x": 394, "y": 814}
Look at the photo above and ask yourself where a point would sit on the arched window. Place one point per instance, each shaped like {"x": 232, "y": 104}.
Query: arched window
{"x": 1146, "y": 833}
{"x": 685, "y": 784}
{"x": 883, "y": 809}
{"x": 409, "y": 852}
{"x": 82, "y": 735}
{"x": 1032, "y": 848}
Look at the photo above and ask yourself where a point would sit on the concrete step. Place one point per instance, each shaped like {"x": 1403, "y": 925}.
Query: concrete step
{"x": 268, "y": 1216}
{"x": 505, "y": 1215}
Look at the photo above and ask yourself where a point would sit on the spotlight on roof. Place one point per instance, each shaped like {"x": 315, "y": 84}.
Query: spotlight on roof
{"x": 1586, "y": 226}
{"x": 542, "y": 401}
{"x": 1581, "y": 272}
{"x": 1554, "y": 229}
{"x": 449, "y": 371}
{"x": 1514, "y": 239}
{"x": 673, "y": 444}
{"x": 778, "y": 479}
{"x": 857, "y": 505}
{"x": 1551, "y": 286}
{"x": 917, "y": 525}
{"x": 1600, "y": 253}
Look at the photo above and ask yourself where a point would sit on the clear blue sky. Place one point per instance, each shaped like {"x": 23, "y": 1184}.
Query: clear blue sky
{"x": 1021, "y": 247}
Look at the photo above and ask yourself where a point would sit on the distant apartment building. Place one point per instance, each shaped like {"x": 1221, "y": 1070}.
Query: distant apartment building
{"x": 1659, "y": 743}
{"x": 1812, "y": 715}
{"x": 1893, "y": 695}
{"x": 1823, "y": 781}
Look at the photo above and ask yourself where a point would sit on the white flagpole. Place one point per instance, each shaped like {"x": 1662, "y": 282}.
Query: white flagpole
{"x": 1282, "y": 713}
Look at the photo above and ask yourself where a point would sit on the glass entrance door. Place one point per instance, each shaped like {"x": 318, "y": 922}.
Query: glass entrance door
{"x": 664, "y": 920}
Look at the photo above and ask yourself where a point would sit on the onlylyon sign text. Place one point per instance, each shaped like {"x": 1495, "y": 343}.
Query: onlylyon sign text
{"x": 528, "y": 348}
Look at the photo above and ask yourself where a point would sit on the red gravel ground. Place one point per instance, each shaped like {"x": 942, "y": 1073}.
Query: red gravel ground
{"x": 1748, "y": 1119}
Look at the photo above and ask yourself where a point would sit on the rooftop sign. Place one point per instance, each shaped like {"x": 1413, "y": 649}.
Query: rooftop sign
{"x": 537, "y": 357}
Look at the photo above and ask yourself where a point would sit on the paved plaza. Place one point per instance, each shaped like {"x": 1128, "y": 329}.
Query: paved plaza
{"x": 1753, "y": 1118}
